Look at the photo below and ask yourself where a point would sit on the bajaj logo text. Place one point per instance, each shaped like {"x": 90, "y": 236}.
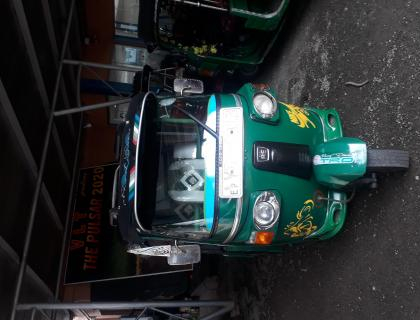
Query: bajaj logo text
{"x": 333, "y": 159}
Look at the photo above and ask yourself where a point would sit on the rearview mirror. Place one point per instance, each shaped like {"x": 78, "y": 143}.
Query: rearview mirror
{"x": 194, "y": 86}
{"x": 186, "y": 254}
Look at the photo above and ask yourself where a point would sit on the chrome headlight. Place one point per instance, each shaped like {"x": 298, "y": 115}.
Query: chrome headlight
{"x": 265, "y": 105}
{"x": 266, "y": 210}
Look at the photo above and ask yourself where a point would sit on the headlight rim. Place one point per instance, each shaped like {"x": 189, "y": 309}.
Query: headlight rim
{"x": 257, "y": 216}
{"x": 265, "y": 116}
{"x": 270, "y": 198}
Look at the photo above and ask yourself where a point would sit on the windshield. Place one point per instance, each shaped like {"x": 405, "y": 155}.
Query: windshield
{"x": 178, "y": 172}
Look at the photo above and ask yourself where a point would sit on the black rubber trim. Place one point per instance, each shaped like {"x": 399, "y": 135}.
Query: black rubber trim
{"x": 126, "y": 223}
{"x": 286, "y": 158}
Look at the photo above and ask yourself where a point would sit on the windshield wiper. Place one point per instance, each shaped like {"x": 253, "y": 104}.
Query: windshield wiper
{"x": 201, "y": 124}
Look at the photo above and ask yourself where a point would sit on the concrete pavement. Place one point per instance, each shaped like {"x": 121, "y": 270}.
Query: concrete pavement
{"x": 371, "y": 270}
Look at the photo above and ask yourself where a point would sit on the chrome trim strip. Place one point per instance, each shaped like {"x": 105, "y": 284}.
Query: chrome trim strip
{"x": 261, "y": 15}
{"x": 136, "y": 162}
{"x": 236, "y": 221}
{"x": 239, "y": 201}
{"x": 270, "y": 197}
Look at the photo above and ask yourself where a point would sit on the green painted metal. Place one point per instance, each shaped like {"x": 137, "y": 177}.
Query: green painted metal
{"x": 264, "y": 21}
{"x": 303, "y": 217}
{"x": 311, "y": 209}
{"x": 334, "y": 218}
{"x": 294, "y": 191}
{"x": 260, "y": 15}
{"x": 339, "y": 162}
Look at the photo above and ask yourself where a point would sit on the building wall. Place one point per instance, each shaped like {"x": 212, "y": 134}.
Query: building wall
{"x": 98, "y": 139}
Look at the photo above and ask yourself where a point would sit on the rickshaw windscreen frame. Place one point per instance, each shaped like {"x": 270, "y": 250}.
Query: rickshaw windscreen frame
{"x": 204, "y": 126}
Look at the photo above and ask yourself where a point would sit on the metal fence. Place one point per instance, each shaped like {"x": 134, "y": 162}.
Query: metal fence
{"x": 50, "y": 310}
{"x": 136, "y": 309}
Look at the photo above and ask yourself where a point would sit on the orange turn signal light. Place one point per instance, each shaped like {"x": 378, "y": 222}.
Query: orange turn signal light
{"x": 264, "y": 237}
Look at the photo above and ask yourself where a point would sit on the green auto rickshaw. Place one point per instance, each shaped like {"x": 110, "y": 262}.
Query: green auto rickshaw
{"x": 235, "y": 174}
{"x": 212, "y": 36}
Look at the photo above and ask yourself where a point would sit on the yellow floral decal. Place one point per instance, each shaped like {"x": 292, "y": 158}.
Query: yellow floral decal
{"x": 299, "y": 116}
{"x": 303, "y": 226}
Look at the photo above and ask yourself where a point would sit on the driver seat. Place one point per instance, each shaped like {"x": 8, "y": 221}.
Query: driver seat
{"x": 186, "y": 180}
{"x": 186, "y": 175}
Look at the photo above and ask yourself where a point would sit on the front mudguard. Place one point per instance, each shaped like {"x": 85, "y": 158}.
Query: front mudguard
{"x": 335, "y": 175}
{"x": 336, "y": 212}
{"x": 339, "y": 162}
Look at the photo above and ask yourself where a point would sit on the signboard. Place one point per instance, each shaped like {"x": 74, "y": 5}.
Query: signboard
{"x": 96, "y": 250}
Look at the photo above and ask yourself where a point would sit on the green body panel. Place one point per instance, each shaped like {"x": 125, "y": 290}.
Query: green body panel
{"x": 340, "y": 161}
{"x": 294, "y": 191}
{"x": 251, "y": 53}
{"x": 334, "y": 217}
{"x": 258, "y": 14}
{"x": 302, "y": 216}
{"x": 310, "y": 209}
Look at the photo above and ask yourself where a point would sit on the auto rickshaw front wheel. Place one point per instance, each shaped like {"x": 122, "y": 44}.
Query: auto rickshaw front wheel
{"x": 387, "y": 160}
{"x": 247, "y": 72}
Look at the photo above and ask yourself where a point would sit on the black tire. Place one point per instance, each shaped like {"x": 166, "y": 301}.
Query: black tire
{"x": 247, "y": 72}
{"x": 211, "y": 249}
{"x": 387, "y": 160}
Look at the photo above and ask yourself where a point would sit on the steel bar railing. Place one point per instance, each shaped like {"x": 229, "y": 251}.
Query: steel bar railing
{"x": 103, "y": 66}
{"x": 97, "y": 76}
{"x": 223, "y": 306}
{"x": 124, "y": 305}
{"x": 91, "y": 107}
{"x": 35, "y": 198}
{"x": 70, "y": 199}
